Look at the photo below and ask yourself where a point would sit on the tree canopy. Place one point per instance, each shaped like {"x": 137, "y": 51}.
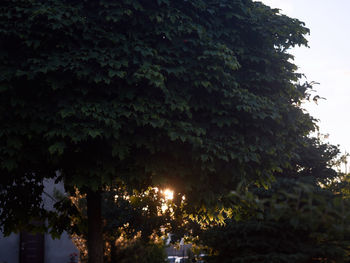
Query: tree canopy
{"x": 197, "y": 95}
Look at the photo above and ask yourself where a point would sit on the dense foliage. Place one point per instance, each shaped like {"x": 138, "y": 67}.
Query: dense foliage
{"x": 148, "y": 92}
{"x": 139, "y": 251}
{"x": 296, "y": 220}
{"x": 314, "y": 159}
{"x": 199, "y": 95}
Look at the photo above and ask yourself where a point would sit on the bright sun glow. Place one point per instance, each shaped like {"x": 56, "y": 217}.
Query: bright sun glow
{"x": 168, "y": 194}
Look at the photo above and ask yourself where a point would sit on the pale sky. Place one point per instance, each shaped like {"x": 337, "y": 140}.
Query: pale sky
{"x": 327, "y": 61}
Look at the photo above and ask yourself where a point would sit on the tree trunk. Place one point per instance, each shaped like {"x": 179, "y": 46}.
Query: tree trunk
{"x": 95, "y": 240}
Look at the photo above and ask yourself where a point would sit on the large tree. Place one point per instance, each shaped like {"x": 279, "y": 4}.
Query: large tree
{"x": 197, "y": 95}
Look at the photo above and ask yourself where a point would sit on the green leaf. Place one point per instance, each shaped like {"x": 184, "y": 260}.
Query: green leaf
{"x": 57, "y": 148}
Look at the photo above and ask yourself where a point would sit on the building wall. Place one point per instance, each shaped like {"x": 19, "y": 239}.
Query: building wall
{"x": 9, "y": 248}
{"x": 56, "y": 250}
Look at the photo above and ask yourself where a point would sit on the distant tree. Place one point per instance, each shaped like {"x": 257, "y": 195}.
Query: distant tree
{"x": 299, "y": 222}
{"x": 296, "y": 220}
{"x": 197, "y": 95}
{"x": 314, "y": 159}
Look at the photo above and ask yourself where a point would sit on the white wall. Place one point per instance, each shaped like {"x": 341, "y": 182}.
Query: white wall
{"x": 9, "y": 248}
{"x": 56, "y": 250}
